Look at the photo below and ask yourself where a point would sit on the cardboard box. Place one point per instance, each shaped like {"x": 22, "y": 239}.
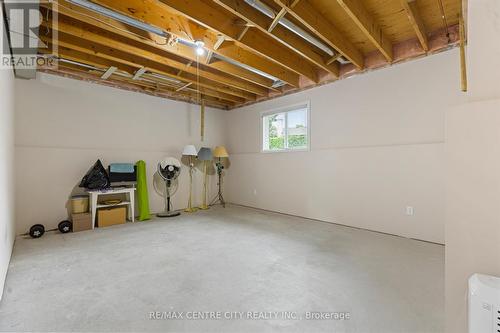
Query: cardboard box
{"x": 81, "y": 221}
{"x": 79, "y": 204}
{"x": 111, "y": 216}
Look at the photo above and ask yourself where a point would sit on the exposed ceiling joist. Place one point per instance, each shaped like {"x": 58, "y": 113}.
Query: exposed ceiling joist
{"x": 158, "y": 14}
{"x": 139, "y": 38}
{"x": 416, "y": 22}
{"x": 279, "y": 33}
{"x": 74, "y": 72}
{"x": 368, "y": 25}
{"x": 78, "y": 51}
{"x": 314, "y": 21}
{"x": 241, "y": 88}
{"x": 253, "y": 49}
{"x": 207, "y": 14}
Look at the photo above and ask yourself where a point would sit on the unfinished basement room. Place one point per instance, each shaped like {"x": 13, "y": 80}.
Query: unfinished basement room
{"x": 250, "y": 166}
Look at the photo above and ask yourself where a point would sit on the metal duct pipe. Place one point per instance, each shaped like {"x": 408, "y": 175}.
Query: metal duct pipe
{"x": 77, "y": 63}
{"x": 244, "y": 66}
{"x": 117, "y": 16}
{"x": 269, "y": 12}
{"x": 164, "y": 77}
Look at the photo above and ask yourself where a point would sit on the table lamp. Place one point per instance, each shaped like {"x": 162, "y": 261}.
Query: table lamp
{"x": 205, "y": 155}
{"x": 190, "y": 152}
{"x": 219, "y": 153}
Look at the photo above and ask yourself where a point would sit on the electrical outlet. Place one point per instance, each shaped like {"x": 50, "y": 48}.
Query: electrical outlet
{"x": 254, "y": 192}
{"x": 409, "y": 210}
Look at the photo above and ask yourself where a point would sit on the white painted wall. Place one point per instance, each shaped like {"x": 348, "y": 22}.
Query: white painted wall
{"x": 473, "y": 167}
{"x": 63, "y": 126}
{"x": 377, "y": 146}
{"x": 6, "y": 169}
{"x": 473, "y": 197}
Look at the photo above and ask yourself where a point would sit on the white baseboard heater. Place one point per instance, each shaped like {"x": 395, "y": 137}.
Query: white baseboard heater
{"x": 484, "y": 304}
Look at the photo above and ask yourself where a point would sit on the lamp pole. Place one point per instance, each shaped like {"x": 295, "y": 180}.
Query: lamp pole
{"x": 204, "y": 204}
{"x": 219, "y": 196}
{"x": 190, "y": 208}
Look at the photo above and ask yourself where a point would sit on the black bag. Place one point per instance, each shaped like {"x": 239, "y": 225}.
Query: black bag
{"x": 96, "y": 178}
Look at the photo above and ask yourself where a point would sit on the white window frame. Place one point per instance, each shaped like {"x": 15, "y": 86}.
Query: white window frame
{"x": 288, "y": 108}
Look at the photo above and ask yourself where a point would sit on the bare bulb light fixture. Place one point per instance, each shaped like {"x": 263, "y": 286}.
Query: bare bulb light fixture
{"x": 199, "y": 47}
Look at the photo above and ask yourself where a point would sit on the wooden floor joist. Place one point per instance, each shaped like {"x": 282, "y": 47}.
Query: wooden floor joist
{"x": 314, "y": 21}
{"x": 159, "y": 14}
{"x": 276, "y": 19}
{"x": 251, "y": 47}
{"x": 101, "y": 40}
{"x": 81, "y": 51}
{"x": 440, "y": 41}
{"x": 208, "y": 15}
{"x": 279, "y": 33}
{"x": 370, "y": 27}
{"x": 140, "y": 39}
{"x": 416, "y": 22}
{"x": 74, "y": 72}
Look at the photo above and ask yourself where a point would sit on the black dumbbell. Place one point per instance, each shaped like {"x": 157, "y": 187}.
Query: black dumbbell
{"x": 37, "y": 231}
{"x": 65, "y": 226}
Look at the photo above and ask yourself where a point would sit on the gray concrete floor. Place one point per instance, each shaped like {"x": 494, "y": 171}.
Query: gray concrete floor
{"x": 228, "y": 260}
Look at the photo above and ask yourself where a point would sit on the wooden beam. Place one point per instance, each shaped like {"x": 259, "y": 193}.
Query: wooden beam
{"x": 368, "y": 25}
{"x": 463, "y": 63}
{"x": 184, "y": 86}
{"x": 279, "y": 33}
{"x": 218, "y": 43}
{"x": 103, "y": 38}
{"x": 319, "y": 25}
{"x": 78, "y": 50}
{"x": 416, "y": 22}
{"x": 140, "y": 38}
{"x": 108, "y": 72}
{"x": 276, "y": 19}
{"x": 73, "y": 72}
{"x": 208, "y": 58}
{"x": 242, "y": 33}
{"x": 205, "y": 13}
{"x": 334, "y": 58}
{"x": 187, "y": 65}
{"x": 440, "y": 40}
{"x": 138, "y": 73}
{"x": 160, "y": 15}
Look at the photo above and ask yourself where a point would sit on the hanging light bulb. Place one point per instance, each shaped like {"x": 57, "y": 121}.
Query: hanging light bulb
{"x": 199, "y": 47}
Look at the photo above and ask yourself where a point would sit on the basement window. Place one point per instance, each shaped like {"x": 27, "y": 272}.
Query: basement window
{"x": 286, "y": 129}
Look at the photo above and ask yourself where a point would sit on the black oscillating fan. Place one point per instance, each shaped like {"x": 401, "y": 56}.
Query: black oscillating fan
{"x": 168, "y": 169}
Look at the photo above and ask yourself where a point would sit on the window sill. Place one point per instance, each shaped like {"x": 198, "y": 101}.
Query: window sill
{"x": 286, "y": 151}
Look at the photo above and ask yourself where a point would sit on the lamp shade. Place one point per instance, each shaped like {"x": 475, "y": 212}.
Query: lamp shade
{"x": 220, "y": 151}
{"x": 205, "y": 154}
{"x": 189, "y": 150}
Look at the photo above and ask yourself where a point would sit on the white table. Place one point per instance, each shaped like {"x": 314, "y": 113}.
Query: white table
{"x": 94, "y": 196}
